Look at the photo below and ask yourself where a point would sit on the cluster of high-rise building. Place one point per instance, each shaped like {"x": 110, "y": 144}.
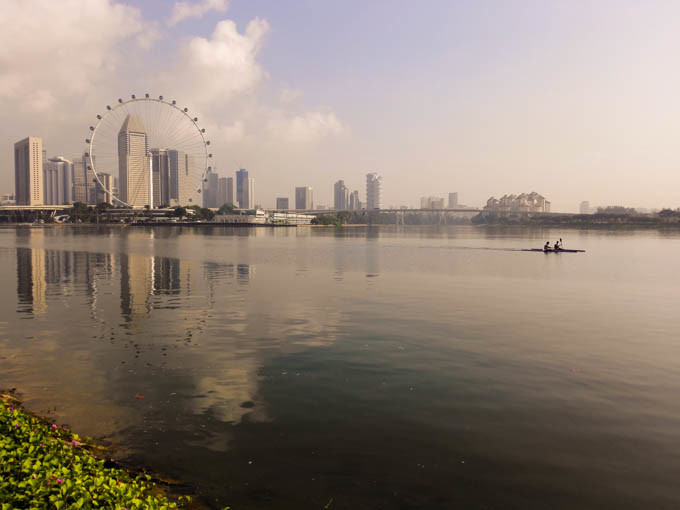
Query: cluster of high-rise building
{"x": 524, "y": 202}
{"x": 39, "y": 180}
{"x": 146, "y": 176}
{"x": 153, "y": 177}
{"x": 343, "y": 198}
{"x": 218, "y": 191}
{"x": 439, "y": 202}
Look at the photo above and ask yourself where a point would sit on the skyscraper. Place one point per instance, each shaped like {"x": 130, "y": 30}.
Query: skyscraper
{"x": 160, "y": 166}
{"x": 282, "y": 203}
{"x": 84, "y": 181}
{"x": 223, "y": 191}
{"x": 354, "y": 202}
{"x": 230, "y": 191}
{"x": 453, "y": 200}
{"x": 28, "y": 171}
{"x": 304, "y": 198}
{"x": 79, "y": 180}
{"x": 341, "y": 196}
{"x": 210, "y": 189}
{"x": 183, "y": 186}
{"x": 58, "y": 181}
{"x": 241, "y": 187}
{"x": 585, "y": 207}
{"x": 373, "y": 190}
{"x": 133, "y": 163}
{"x": 249, "y": 194}
{"x": 104, "y": 191}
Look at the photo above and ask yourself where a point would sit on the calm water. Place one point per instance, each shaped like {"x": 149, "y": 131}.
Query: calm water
{"x": 359, "y": 368}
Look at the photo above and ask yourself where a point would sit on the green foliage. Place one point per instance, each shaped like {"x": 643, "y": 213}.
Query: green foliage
{"x": 103, "y": 206}
{"x": 226, "y": 209}
{"x": 617, "y": 210}
{"x": 179, "y": 212}
{"x": 45, "y": 466}
{"x": 202, "y": 213}
{"x": 669, "y": 213}
{"x": 326, "y": 219}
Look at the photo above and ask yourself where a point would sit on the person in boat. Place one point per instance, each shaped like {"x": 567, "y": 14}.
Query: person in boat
{"x": 558, "y": 246}
{"x": 547, "y": 246}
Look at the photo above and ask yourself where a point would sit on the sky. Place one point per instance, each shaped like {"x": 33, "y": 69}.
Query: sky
{"x": 576, "y": 100}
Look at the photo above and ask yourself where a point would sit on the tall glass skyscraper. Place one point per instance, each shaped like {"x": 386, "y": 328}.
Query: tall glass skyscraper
{"x": 242, "y": 188}
{"x": 133, "y": 163}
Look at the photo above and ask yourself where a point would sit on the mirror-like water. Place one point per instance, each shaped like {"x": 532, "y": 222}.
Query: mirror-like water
{"x": 359, "y": 368}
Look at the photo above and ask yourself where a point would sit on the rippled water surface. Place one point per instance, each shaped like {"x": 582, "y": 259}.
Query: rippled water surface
{"x": 359, "y": 368}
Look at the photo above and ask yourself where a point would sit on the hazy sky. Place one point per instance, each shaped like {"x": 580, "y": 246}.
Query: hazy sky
{"x": 577, "y": 100}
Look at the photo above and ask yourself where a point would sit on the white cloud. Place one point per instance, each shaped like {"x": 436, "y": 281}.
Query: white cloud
{"x": 184, "y": 10}
{"x": 214, "y": 70}
{"x": 91, "y": 52}
{"x": 289, "y": 95}
{"x": 147, "y": 37}
{"x": 306, "y": 128}
{"x": 51, "y": 50}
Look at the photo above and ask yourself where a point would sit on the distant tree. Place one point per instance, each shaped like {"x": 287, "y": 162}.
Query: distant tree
{"x": 179, "y": 212}
{"x": 616, "y": 209}
{"x": 202, "y": 213}
{"x": 103, "y": 206}
{"x": 226, "y": 209}
{"x": 669, "y": 213}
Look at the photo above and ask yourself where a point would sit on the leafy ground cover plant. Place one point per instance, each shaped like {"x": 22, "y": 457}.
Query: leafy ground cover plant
{"x": 43, "y": 465}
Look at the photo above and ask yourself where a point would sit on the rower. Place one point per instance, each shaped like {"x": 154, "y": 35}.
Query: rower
{"x": 547, "y": 246}
{"x": 557, "y": 246}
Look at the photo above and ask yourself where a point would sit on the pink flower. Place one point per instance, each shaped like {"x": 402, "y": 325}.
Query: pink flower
{"x": 74, "y": 443}
{"x": 54, "y": 426}
{"x": 60, "y": 480}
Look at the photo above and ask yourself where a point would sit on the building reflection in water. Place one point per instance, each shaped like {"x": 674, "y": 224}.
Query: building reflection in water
{"x": 372, "y": 256}
{"x": 31, "y": 284}
{"x": 42, "y": 274}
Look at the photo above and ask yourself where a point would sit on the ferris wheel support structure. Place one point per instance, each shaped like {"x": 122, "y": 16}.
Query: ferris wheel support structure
{"x": 170, "y": 128}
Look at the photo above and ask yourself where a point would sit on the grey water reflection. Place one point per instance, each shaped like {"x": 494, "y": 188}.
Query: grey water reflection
{"x": 374, "y": 367}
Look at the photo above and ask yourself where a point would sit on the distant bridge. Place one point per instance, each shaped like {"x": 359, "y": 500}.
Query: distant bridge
{"x": 335, "y": 211}
{"x": 36, "y": 208}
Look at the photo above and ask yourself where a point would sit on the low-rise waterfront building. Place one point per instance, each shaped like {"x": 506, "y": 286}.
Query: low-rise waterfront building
{"x": 525, "y": 202}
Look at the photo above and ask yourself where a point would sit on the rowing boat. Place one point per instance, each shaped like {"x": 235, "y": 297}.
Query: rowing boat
{"x": 556, "y": 251}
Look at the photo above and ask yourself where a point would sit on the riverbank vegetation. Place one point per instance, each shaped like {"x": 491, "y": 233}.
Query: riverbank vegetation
{"x": 404, "y": 217}
{"x": 608, "y": 217}
{"x": 43, "y": 465}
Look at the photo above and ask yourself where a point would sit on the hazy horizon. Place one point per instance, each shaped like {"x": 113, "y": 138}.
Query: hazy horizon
{"x": 577, "y": 101}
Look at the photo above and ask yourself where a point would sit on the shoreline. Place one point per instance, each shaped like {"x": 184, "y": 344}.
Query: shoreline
{"x": 46, "y": 464}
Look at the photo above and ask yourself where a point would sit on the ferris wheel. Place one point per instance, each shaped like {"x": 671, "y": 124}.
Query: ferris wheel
{"x": 147, "y": 151}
